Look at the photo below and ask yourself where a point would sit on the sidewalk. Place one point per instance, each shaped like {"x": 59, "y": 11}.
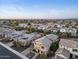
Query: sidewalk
{"x": 25, "y": 52}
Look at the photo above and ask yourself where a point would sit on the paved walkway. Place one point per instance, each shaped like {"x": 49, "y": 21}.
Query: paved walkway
{"x": 25, "y": 52}
{"x": 35, "y": 56}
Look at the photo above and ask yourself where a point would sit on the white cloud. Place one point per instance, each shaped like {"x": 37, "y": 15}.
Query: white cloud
{"x": 20, "y": 12}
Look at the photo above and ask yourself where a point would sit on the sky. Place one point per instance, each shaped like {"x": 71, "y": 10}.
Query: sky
{"x": 49, "y": 9}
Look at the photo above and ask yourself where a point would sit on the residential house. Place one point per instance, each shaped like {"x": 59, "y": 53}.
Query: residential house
{"x": 24, "y": 25}
{"x": 42, "y": 27}
{"x": 26, "y": 39}
{"x": 70, "y": 45}
{"x": 1, "y": 33}
{"x": 5, "y": 31}
{"x": 63, "y": 29}
{"x": 13, "y": 34}
{"x": 43, "y": 44}
{"x": 35, "y": 25}
{"x": 62, "y": 53}
{"x": 19, "y": 36}
{"x": 72, "y": 31}
{"x": 57, "y": 26}
{"x": 55, "y": 30}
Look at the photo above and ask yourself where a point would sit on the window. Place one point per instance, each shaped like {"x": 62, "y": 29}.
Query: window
{"x": 76, "y": 56}
{"x": 75, "y": 50}
{"x": 42, "y": 47}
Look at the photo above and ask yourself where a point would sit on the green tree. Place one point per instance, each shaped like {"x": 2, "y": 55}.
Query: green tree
{"x": 40, "y": 31}
{"x": 58, "y": 32}
{"x": 54, "y": 46}
{"x": 30, "y": 29}
{"x": 67, "y": 25}
{"x": 63, "y": 35}
{"x": 29, "y": 23}
{"x": 19, "y": 28}
{"x": 46, "y": 31}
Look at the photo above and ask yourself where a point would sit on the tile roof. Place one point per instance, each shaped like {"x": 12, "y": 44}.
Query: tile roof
{"x": 47, "y": 40}
{"x": 63, "y": 52}
{"x": 68, "y": 43}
